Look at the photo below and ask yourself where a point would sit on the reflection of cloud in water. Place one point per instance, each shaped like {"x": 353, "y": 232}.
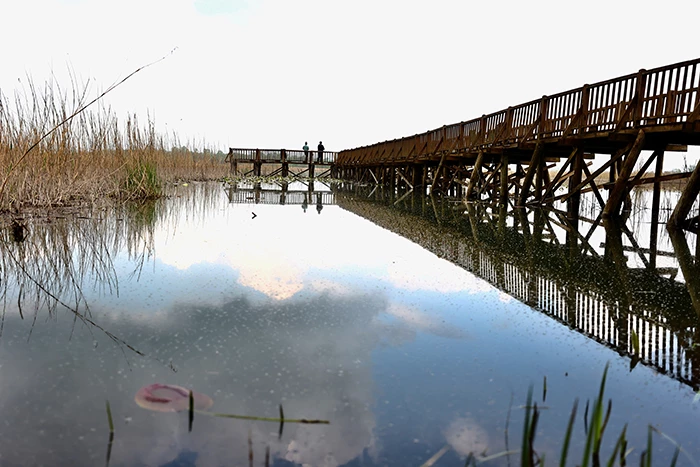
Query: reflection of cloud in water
{"x": 323, "y": 285}
{"x": 273, "y": 281}
{"x": 313, "y": 356}
{"x": 415, "y": 318}
{"x": 466, "y": 437}
{"x": 504, "y": 297}
{"x": 444, "y": 277}
{"x": 279, "y": 269}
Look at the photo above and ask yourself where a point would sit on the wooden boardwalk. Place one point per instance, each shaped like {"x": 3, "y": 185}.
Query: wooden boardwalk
{"x": 254, "y": 159}
{"x": 508, "y": 154}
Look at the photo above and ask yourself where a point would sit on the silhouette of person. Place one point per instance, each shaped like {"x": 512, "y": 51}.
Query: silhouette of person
{"x": 306, "y": 151}
{"x": 305, "y": 204}
{"x": 320, "y": 152}
{"x": 319, "y": 203}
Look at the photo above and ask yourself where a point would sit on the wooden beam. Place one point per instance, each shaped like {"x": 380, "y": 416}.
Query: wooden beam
{"x": 648, "y": 180}
{"x": 676, "y": 148}
{"x": 530, "y": 174}
{"x": 612, "y": 207}
{"x": 558, "y": 179}
{"x": 373, "y": 176}
{"x": 476, "y": 174}
{"x": 594, "y": 188}
{"x": 400, "y": 172}
{"x": 695, "y": 114}
{"x": 685, "y": 203}
{"x": 504, "y": 179}
{"x": 591, "y": 178}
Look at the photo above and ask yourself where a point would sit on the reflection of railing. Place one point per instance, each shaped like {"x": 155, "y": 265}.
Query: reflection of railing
{"x": 662, "y": 99}
{"x": 253, "y": 196}
{"x": 600, "y": 305}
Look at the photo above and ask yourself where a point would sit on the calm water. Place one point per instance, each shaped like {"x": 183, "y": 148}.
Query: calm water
{"x": 409, "y": 328}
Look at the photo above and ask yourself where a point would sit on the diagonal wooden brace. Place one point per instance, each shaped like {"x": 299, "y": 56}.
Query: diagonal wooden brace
{"x": 612, "y": 207}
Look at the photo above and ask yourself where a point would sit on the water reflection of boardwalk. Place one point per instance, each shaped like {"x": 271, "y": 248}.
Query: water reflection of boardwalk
{"x": 258, "y": 195}
{"x": 598, "y": 296}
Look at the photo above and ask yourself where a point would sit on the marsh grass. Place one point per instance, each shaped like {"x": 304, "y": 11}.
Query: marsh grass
{"x": 48, "y": 157}
{"x": 595, "y": 421}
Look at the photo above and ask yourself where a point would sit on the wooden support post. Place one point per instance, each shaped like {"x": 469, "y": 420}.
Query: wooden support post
{"x": 257, "y": 165}
{"x": 285, "y": 165}
{"x": 283, "y": 194}
{"x": 539, "y": 180}
{"x": 655, "y": 203}
{"x": 573, "y": 204}
{"x": 232, "y": 161}
{"x": 417, "y": 174}
{"x": 535, "y": 162}
{"x": 436, "y": 176}
{"x": 476, "y": 174}
{"x": 691, "y": 271}
{"x": 503, "y": 199}
{"x": 619, "y": 190}
{"x": 574, "y": 200}
{"x": 685, "y": 203}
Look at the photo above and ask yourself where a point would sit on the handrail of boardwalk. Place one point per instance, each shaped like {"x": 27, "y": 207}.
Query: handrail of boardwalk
{"x": 664, "y": 98}
{"x": 290, "y": 156}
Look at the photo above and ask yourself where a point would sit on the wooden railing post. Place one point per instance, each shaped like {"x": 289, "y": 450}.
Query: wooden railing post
{"x": 507, "y": 125}
{"x": 585, "y": 93}
{"x": 543, "y": 117}
{"x": 640, "y": 93}
{"x": 482, "y": 130}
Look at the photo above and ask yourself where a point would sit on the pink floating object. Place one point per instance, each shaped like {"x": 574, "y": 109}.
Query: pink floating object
{"x": 170, "y": 398}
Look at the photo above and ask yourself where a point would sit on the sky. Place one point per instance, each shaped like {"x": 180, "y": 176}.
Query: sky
{"x": 278, "y": 73}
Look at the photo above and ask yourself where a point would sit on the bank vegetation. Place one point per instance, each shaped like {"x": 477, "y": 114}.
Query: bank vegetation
{"x": 49, "y": 159}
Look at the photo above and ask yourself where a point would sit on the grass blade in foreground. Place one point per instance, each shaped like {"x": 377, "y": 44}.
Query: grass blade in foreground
{"x": 111, "y": 433}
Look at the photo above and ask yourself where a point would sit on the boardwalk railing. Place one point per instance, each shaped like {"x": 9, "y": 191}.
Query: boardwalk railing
{"x": 662, "y": 99}
{"x": 281, "y": 156}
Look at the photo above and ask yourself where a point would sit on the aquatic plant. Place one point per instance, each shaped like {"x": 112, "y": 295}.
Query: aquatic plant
{"x": 596, "y": 417}
{"x": 171, "y": 398}
{"x": 141, "y": 182}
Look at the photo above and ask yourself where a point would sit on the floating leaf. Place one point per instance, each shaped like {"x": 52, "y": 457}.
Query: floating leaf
{"x": 170, "y": 398}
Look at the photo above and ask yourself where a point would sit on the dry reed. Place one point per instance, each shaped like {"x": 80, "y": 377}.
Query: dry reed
{"x": 92, "y": 155}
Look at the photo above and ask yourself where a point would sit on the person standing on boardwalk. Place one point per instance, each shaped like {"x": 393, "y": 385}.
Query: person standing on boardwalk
{"x": 306, "y": 151}
{"x": 320, "y": 152}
